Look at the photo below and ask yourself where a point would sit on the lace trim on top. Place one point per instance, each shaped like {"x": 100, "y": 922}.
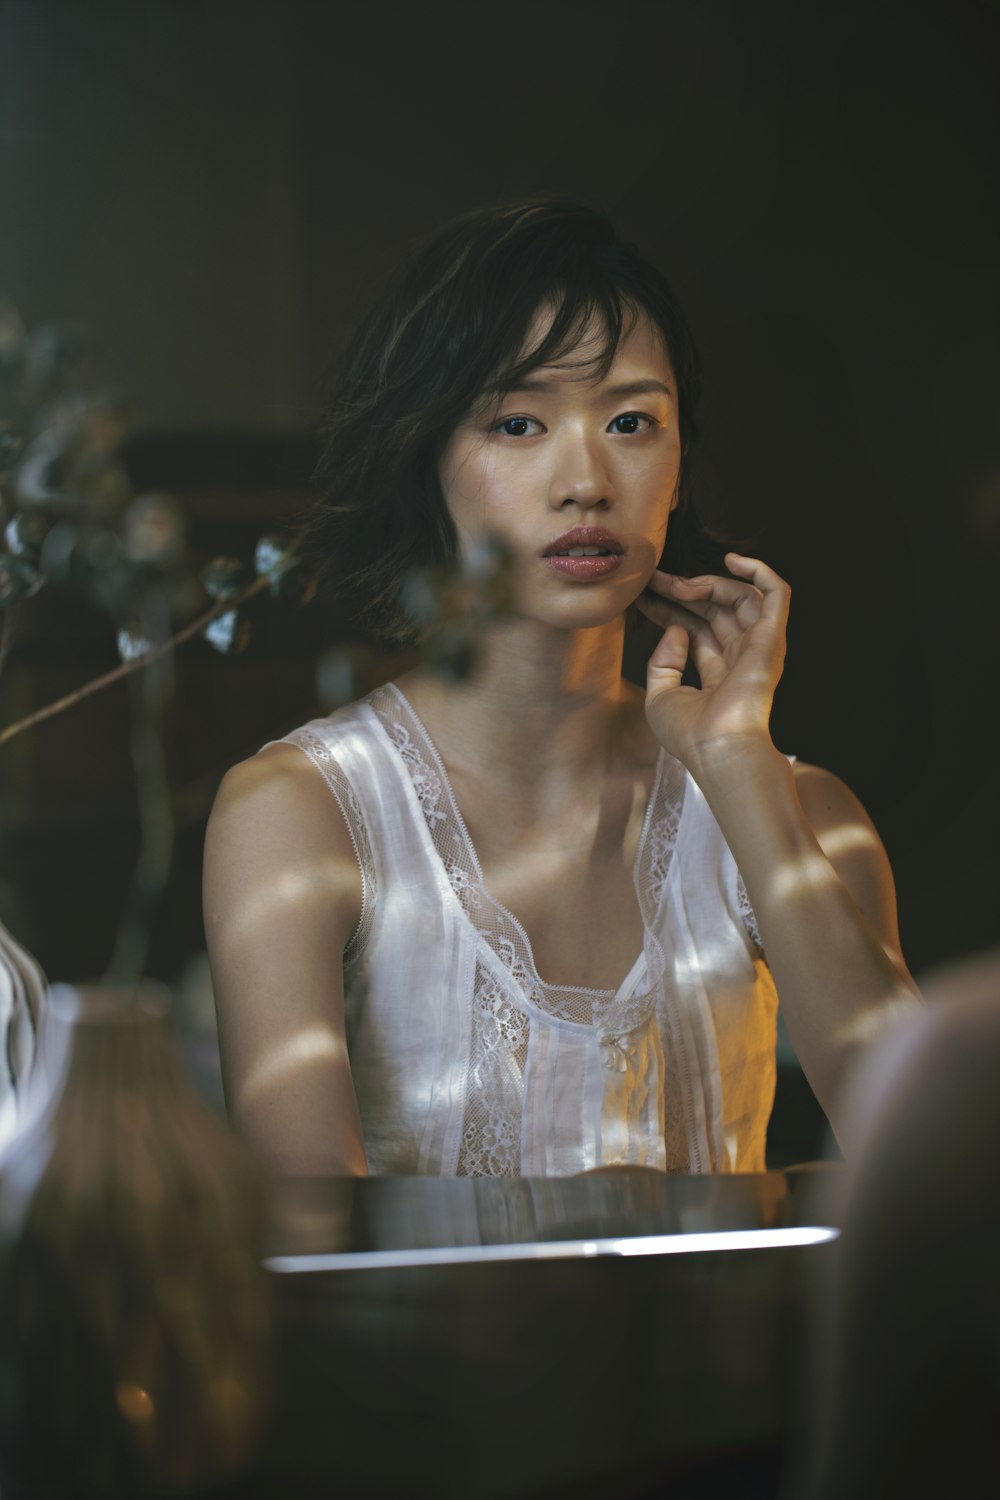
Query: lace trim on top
{"x": 578, "y": 1005}
{"x": 749, "y": 918}
{"x": 319, "y": 753}
{"x": 498, "y": 1055}
{"x": 501, "y": 1015}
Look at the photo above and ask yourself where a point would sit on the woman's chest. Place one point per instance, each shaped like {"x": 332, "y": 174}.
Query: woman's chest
{"x": 577, "y": 904}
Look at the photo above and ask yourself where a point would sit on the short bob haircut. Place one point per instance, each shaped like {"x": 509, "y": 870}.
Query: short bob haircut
{"x": 449, "y": 333}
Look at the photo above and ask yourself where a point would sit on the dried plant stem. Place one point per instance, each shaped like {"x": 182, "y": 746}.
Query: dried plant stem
{"x": 221, "y": 607}
{"x": 156, "y": 828}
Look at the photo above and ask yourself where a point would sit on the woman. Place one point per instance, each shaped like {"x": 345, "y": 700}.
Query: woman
{"x": 518, "y": 924}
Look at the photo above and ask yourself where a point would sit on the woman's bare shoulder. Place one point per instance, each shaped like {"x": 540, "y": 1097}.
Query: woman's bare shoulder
{"x": 851, "y": 843}
{"x": 279, "y": 777}
{"x": 275, "y": 809}
{"x": 279, "y": 866}
{"x": 828, "y": 802}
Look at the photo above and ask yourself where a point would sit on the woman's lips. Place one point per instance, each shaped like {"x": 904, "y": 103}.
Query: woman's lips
{"x": 585, "y": 568}
{"x": 585, "y": 553}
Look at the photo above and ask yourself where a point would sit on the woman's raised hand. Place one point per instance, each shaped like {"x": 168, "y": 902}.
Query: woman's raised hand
{"x": 734, "y": 629}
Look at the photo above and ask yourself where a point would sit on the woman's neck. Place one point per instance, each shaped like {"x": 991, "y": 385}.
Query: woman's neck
{"x": 543, "y": 705}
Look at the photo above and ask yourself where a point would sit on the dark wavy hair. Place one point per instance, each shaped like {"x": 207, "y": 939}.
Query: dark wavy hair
{"x": 448, "y": 332}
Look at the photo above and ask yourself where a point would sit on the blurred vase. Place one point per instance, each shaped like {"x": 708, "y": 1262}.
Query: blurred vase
{"x": 136, "y": 1324}
{"x": 22, "y": 989}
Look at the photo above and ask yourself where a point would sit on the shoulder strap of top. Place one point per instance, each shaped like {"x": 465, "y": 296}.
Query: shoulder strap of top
{"x": 318, "y": 740}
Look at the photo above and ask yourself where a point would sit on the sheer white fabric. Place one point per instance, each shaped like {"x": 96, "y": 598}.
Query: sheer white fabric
{"x": 464, "y": 1061}
{"x": 23, "y": 989}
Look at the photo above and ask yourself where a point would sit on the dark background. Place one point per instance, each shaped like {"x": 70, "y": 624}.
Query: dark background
{"x": 217, "y": 189}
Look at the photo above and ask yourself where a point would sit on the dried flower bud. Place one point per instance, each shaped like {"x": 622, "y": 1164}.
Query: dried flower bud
{"x": 336, "y": 678}
{"x": 450, "y": 653}
{"x": 132, "y": 645}
{"x": 228, "y": 633}
{"x": 419, "y": 596}
{"x": 18, "y": 580}
{"x": 57, "y": 358}
{"x": 451, "y": 607}
{"x": 224, "y": 577}
{"x": 287, "y": 578}
{"x": 60, "y": 560}
{"x": 40, "y": 473}
{"x": 12, "y": 341}
{"x": 154, "y": 531}
{"x": 25, "y": 535}
{"x": 11, "y": 443}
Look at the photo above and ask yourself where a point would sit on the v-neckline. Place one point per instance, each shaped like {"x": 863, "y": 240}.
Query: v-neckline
{"x": 605, "y": 997}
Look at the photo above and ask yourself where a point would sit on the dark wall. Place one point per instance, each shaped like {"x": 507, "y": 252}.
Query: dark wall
{"x": 216, "y": 189}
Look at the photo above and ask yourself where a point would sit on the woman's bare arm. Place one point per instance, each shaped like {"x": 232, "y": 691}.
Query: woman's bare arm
{"x": 814, "y": 868}
{"x": 822, "y": 891}
{"x": 282, "y": 895}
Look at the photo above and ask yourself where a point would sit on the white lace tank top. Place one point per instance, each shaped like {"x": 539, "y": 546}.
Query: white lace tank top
{"x": 464, "y": 1061}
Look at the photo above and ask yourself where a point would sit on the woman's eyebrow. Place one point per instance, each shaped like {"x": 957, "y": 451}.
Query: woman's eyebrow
{"x": 640, "y": 388}
{"x": 625, "y": 388}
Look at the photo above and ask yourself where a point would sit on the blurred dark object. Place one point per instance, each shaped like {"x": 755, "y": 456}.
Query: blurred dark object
{"x": 118, "y": 559}
{"x": 71, "y": 515}
{"x": 136, "y": 1318}
{"x": 19, "y": 579}
{"x": 798, "y": 1130}
{"x": 452, "y": 607}
{"x": 905, "y": 1366}
{"x": 349, "y": 671}
{"x": 68, "y": 787}
{"x": 607, "y": 1376}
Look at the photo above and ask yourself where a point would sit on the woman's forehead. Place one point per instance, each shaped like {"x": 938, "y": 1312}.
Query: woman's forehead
{"x": 640, "y": 351}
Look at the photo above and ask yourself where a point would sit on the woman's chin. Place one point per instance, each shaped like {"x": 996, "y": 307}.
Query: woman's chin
{"x": 587, "y": 611}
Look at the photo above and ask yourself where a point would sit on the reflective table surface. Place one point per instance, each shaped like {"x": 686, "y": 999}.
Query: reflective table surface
{"x": 342, "y": 1224}
{"x": 621, "y": 1333}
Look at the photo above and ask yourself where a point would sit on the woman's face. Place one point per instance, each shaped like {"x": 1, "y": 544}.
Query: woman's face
{"x": 575, "y": 477}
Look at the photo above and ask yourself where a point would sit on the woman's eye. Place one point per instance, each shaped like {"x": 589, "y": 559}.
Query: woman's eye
{"x": 630, "y": 422}
{"x": 515, "y": 426}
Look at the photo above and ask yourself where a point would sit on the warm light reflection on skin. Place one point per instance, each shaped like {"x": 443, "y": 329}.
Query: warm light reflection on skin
{"x": 314, "y": 1044}
{"x": 802, "y": 877}
{"x": 287, "y": 892}
{"x": 867, "y": 1025}
{"x": 848, "y": 838}
{"x": 807, "y": 876}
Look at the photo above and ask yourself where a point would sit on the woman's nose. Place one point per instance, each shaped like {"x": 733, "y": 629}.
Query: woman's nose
{"x": 579, "y": 477}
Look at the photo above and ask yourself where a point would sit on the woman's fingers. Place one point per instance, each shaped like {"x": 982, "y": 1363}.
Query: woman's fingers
{"x": 721, "y": 629}
{"x": 729, "y": 620}
{"x": 666, "y": 612}
{"x": 734, "y": 631}
{"x": 666, "y": 665}
{"x": 730, "y": 605}
{"x": 684, "y": 632}
{"x": 775, "y": 594}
